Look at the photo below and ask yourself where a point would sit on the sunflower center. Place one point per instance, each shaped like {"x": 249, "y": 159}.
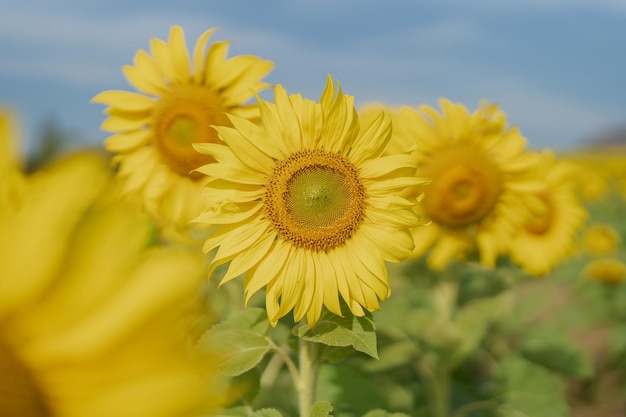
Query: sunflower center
{"x": 315, "y": 199}
{"x": 182, "y": 117}
{"x": 465, "y": 186}
{"x": 19, "y": 394}
{"x": 541, "y": 219}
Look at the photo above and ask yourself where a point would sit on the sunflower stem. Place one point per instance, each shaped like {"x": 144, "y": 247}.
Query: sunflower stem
{"x": 441, "y": 391}
{"x": 444, "y": 299}
{"x": 308, "y": 367}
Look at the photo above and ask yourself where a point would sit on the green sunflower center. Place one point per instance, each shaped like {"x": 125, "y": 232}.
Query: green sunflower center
{"x": 315, "y": 199}
{"x": 465, "y": 186}
{"x": 182, "y": 117}
{"x": 19, "y": 393}
{"x": 317, "y": 196}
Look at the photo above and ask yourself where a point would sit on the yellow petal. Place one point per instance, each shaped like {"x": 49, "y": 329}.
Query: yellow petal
{"x": 198, "y": 56}
{"x": 163, "y": 59}
{"x": 125, "y": 100}
{"x": 127, "y": 141}
{"x": 214, "y": 60}
{"x": 179, "y": 55}
{"x": 124, "y": 123}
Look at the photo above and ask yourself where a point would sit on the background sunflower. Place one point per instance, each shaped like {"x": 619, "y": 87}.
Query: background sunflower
{"x": 178, "y": 102}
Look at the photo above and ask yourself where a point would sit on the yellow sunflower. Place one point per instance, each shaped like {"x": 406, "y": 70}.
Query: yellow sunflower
{"x": 87, "y": 308}
{"x": 548, "y": 234}
{"x": 178, "y": 102}
{"x": 600, "y": 239}
{"x": 610, "y": 271}
{"x": 478, "y": 169}
{"x": 308, "y": 206}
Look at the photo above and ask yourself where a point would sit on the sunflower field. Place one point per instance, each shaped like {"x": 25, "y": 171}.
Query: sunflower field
{"x": 226, "y": 255}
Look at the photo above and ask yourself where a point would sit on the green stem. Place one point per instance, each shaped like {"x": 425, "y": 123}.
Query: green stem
{"x": 437, "y": 381}
{"x": 441, "y": 391}
{"x": 308, "y": 367}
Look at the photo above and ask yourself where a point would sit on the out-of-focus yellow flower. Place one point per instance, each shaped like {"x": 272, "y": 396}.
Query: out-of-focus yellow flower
{"x": 600, "y": 240}
{"x": 11, "y": 177}
{"x": 478, "y": 168}
{"x": 308, "y": 206}
{"x": 179, "y": 101}
{"x": 88, "y": 308}
{"x": 592, "y": 183}
{"x": 547, "y": 236}
{"x": 607, "y": 270}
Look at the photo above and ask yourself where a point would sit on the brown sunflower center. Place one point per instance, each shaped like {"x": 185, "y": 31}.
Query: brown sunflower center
{"x": 465, "y": 186}
{"x": 182, "y": 117}
{"x": 315, "y": 199}
{"x": 540, "y": 220}
{"x": 19, "y": 393}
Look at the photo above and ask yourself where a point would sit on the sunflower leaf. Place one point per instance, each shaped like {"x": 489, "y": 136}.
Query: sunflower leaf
{"x": 349, "y": 330}
{"x": 266, "y": 412}
{"x": 321, "y": 409}
{"x": 251, "y": 319}
{"x": 238, "y": 344}
{"x": 531, "y": 390}
{"x": 383, "y": 413}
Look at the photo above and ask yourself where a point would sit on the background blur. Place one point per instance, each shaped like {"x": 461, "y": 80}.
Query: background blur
{"x": 557, "y": 67}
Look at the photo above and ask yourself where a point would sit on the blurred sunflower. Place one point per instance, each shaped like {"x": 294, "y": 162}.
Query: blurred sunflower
{"x": 548, "y": 234}
{"x": 308, "y": 206}
{"x": 600, "y": 239}
{"x": 177, "y": 104}
{"x": 477, "y": 166}
{"x": 610, "y": 271}
{"x": 87, "y": 308}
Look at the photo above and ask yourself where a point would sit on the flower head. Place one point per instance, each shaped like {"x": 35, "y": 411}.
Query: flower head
{"x": 308, "y": 206}
{"x": 600, "y": 240}
{"x": 178, "y": 102}
{"x": 477, "y": 166}
{"x": 610, "y": 271}
{"x": 547, "y": 236}
{"x": 88, "y": 328}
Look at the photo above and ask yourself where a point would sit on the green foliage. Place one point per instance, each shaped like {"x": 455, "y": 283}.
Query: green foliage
{"x": 237, "y": 344}
{"x": 530, "y": 391}
{"x": 321, "y": 409}
{"x": 266, "y": 412}
{"x": 383, "y": 413}
{"x": 553, "y": 350}
{"x": 349, "y": 330}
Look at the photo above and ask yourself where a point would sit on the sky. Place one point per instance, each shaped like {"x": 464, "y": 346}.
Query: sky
{"x": 556, "y": 67}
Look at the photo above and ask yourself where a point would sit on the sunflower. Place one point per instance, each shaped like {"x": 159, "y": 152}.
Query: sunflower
{"x": 600, "y": 239}
{"x": 610, "y": 271}
{"x": 179, "y": 100}
{"x": 548, "y": 234}
{"x": 477, "y": 166}
{"x": 307, "y": 205}
{"x": 87, "y": 307}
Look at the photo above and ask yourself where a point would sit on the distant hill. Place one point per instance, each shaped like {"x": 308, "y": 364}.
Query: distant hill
{"x": 615, "y": 136}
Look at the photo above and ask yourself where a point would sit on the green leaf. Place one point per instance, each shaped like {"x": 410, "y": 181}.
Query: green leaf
{"x": 351, "y": 392}
{"x": 238, "y": 344}
{"x": 558, "y": 354}
{"x": 333, "y": 330}
{"x": 266, "y": 412}
{"x": 239, "y": 411}
{"x": 531, "y": 391}
{"x": 393, "y": 355}
{"x": 251, "y": 319}
{"x": 321, "y": 409}
{"x": 383, "y": 413}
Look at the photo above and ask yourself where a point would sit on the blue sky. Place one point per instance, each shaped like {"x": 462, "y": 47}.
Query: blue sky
{"x": 557, "y": 67}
